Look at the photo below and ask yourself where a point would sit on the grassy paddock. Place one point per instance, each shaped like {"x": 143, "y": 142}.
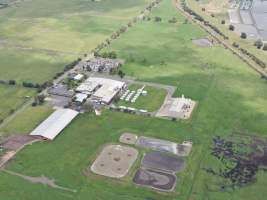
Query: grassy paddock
{"x": 38, "y": 38}
{"x": 12, "y": 97}
{"x": 27, "y": 120}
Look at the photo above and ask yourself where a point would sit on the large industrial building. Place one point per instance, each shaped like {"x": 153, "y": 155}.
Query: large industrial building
{"x": 55, "y": 123}
{"x": 102, "y": 90}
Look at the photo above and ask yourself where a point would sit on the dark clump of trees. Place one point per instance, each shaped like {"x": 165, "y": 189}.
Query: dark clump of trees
{"x": 235, "y": 45}
{"x": 240, "y": 161}
{"x": 39, "y": 100}
{"x": 12, "y": 82}
{"x": 72, "y": 64}
{"x": 31, "y": 85}
{"x": 173, "y": 20}
{"x": 231, "y": 27}
{"x": 253, "y": 57}
{"x": 121, "y": 73}
{"x": 258, "y": 44}
{"x": 157, "y": 19}
{"x": 111, "y": 55}
{"x": 243, "y": 35}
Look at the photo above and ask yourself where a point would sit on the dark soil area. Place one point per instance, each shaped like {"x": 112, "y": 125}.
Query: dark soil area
{"x": 241, "y": 157}
{"x": 154, "y": 179}
{"x": 162, "y": 161}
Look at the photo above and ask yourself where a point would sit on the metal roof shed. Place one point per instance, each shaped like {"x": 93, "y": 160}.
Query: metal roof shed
{"x": 55, "y": 123}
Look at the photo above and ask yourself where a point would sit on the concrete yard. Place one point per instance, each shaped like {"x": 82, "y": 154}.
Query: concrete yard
{"x": 156, "y": 144}
{"x": 178, "y": 108}
{"x": 114, "y": 161}
{"x": 128, "y": 138}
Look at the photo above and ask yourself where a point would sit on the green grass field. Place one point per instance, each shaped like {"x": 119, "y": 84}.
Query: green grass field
{"x": 38, "y": 38}
{"x": 151, "y": 102}
{"x": 231, "y": 97}
{"x": 27, "y": 120}
{"x": 11, "y": 98}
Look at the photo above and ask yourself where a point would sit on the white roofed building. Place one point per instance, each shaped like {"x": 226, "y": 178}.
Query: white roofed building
{"x": 79, "y": 97}
{"x": 108, "y": 89}
{"x": 78, "y": 77}
{"x": 87, "y": 87}
{"x": 55, "y": 123}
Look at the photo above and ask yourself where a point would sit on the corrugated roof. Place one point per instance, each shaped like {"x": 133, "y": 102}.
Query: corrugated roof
{"x": 55, "y": 123}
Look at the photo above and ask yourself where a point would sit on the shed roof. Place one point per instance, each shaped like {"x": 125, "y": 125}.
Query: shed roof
{"x": 55, "y": 123}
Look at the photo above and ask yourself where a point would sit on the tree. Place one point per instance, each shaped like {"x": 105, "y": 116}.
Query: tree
{"x": 258, "y": 44}
{"x": 173, "y": 20}
{"x": 39, "y": 100}
{"x": 243, "y": 35}
{"x": 231, "y": 27}
{"x": 157, "y": 19}
{"x": 121, "y": 73}
{"x": 12, "y": 82}
{"x": 235, "y": 45}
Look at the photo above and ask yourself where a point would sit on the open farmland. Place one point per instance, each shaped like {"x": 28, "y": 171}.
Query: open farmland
{"x": 26, "y": 120}
{"x": 231, "y": 98}
{"x": 37, "y": 38}
{"x": 11, "y": 98}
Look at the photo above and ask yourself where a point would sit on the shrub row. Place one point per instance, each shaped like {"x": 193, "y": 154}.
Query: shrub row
{"x": 201, "y": 19}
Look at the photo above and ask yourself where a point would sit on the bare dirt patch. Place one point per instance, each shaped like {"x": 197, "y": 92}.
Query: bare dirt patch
{"x": 18, "y": 141}
{"x": 40, "y": 180}
{"x": 202, "y": 42}
{"x": 114, "y": 161}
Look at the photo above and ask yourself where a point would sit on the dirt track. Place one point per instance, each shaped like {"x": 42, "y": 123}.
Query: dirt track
{"x": 40, "y": 180}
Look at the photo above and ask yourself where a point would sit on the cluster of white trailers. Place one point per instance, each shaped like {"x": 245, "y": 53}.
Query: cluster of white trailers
{"x": 132, "y": 96}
